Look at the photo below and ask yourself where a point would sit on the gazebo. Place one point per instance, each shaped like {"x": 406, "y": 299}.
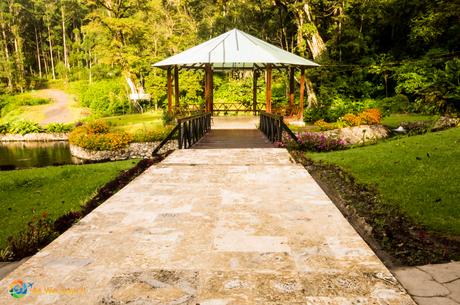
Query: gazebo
{"x": 236, "y": 50}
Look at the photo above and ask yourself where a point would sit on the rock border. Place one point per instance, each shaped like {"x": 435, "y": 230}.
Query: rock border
{"x": 132, "y": 151}
{"x": 358, "y": 134}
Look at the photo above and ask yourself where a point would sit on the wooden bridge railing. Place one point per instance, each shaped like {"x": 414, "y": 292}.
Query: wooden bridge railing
{"x": 238, "y": 107}
{"x": 273, "y": 125}
{"x": 193, "y": 128}
{"x": 189, "y": 130}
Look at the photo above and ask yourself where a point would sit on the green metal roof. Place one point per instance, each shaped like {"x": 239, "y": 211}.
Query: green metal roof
{"x": 235, "y": 49}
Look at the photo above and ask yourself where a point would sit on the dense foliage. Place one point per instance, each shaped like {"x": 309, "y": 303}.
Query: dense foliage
{"x": 396, "y": 55}
{"x": 23, "y": 127}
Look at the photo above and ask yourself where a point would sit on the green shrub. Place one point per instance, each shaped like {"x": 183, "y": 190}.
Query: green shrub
{"x": 105, "y": 97}
{"x": 417, "y": 127}
{"x": 167, "y": 118}
{"x": 151, "y": 135}
{"x": 4, "y": 128}
{"x": 27, "y": 100}
{"x": 97, "y": 126}
{"x": 395, "y": 104}
{"x": 24, "y": 127}
{"x": 59, "y": 127}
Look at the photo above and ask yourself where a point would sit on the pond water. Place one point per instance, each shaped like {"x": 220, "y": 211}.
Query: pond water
{"x": 16, "y": 155}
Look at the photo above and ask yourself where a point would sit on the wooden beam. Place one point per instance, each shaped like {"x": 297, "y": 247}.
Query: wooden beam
{"x": 268, "y": 88}
{"x": 254, "y": 91}
{"x": 291, "y": 88}
{"x": 302, "y": 90}
{"x": 211, "y": 80}
{"x": 208, "y": 87}
{"x": 176, "y": 88}
{"x": 169, "y": 82}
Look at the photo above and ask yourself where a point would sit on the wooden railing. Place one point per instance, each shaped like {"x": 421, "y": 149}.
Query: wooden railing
{"x": 273, "y": 125}
{"x": 193, "y": 128}
{"x": 189, "y": 130}
{"x": 238, "y": 107}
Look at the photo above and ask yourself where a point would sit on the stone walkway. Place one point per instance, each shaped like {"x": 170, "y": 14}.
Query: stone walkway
{"x": 212, "y": 226}
{"x": 432, "y": 284}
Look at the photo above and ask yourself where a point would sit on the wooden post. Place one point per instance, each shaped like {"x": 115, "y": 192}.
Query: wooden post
{"x": 211, "y": 89}
{"x": 208, "y": 88}
{"x": 268, "y": 88}
{"x": 291, "y": 88}
{"x": 302, "y": 90}
{"x": 176, "y": 88}
{"x": 254, "y": 91}
{"x": 169, "y": 80}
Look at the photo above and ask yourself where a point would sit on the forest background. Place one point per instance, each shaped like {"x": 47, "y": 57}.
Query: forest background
{"x": 398, "y": 55}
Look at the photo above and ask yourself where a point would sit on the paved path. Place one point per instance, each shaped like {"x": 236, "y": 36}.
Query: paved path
{"x": 60, "y": 110}
{"x": 432, "y": 284}
{"x": 212, "y": 226}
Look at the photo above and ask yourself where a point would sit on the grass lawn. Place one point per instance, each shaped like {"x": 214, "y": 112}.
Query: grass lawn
{"x": 54, "y": 190}
{"x": 420, "y": 175}
{"x": 135, "y": 122}
{"x": 393, "y": 121}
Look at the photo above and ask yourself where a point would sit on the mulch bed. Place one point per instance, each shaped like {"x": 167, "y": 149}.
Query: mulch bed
{"x": 393, "y": 236}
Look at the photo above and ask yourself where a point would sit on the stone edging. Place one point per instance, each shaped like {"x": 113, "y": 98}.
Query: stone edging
{"x": 358, "y": 134}
{"x": 132, "y": 151}
{"x": 34, "y": 137}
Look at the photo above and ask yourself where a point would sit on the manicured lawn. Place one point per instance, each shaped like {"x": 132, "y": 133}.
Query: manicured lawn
{"x": 393, "y": 121}
{"x": 420, "y": 175}
{"x": 135, "y": 122}
{"x": 54, "y": 190}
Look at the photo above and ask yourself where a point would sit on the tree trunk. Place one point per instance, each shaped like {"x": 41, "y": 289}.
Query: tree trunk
{"x": 43, "y": 54}
{"x": 51, "y": 53}
{"x": 38, "y": 53}
{"x": 17, "y": 42}
{"x": 9, "y": 75}
{"x": 66, "y": 61}
{"x": 314, "y": 40}
{"x": 317, "y": 48}
{"x": 312, "y": 100}
{"x": 90, "y": 66}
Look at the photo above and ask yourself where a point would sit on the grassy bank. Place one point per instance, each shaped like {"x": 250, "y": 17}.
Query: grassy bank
{"x": 394, "y": 120}
{"x": 419, "y": 175}
{"x": 135, "y": 122}
{"x": 53, "y": 190}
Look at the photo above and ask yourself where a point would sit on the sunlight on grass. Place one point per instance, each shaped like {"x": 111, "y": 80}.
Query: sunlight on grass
{"x": 419, "y": 174}
{"x": 54, "y": 190}
{"x": 135, "y": 122}
{"x": 394, "y": 120}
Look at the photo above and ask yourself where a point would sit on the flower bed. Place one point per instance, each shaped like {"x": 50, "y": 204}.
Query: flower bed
{"x": 95, "y": 141}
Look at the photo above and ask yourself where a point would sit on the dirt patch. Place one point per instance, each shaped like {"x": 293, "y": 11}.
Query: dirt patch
{"x": 60, "y": 110}
{"x": 393, "y": 236}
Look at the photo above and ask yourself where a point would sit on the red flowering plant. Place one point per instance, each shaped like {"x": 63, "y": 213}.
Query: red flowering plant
{"x": 314, "y": 141}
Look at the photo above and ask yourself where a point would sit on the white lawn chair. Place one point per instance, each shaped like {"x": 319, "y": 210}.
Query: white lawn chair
{"x": 137, "y": 94}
